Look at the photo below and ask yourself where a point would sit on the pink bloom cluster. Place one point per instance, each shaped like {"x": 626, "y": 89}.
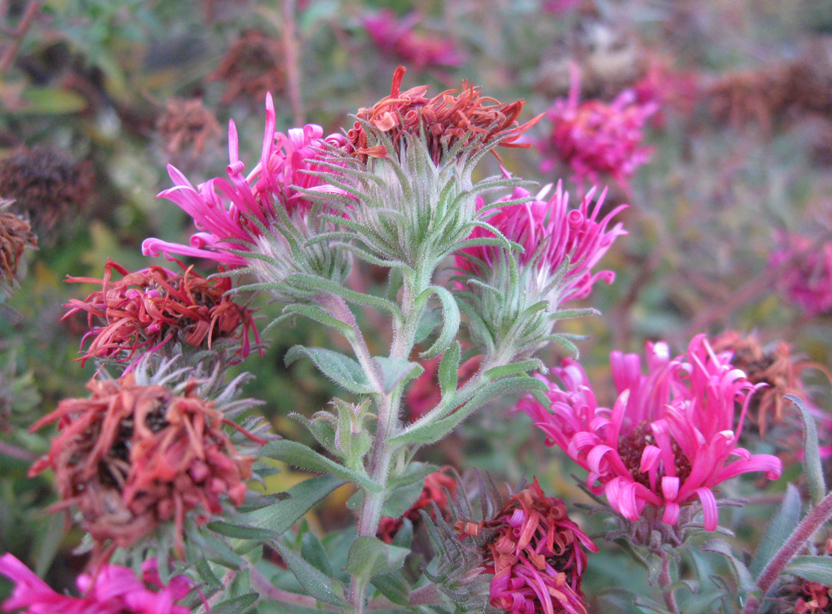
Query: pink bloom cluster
{"x": 594, "y": 137}
{"x": 113, "y": 590}
{"x": 807, "y": 278}
{"x": 229, "y": 213}
{"x": 550, "y": 232}
{"x": 669, "y": 436}
{"x": 396, "y": 36}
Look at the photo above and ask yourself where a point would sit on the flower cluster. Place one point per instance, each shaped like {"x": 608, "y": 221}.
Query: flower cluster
{"x": 15, "y": 237}
{"x": 112, "y": 590}
{"x": 446, "y": 120}
{"x": 396, "y": 36}
{"x": 668, "y": 438}
{"x": 153, "y": 308}
{"x": 535, "y": 552}
{"x": 806, "y": 279}
{"x": 133, "y": 456}
{"x": 595, "y": 138}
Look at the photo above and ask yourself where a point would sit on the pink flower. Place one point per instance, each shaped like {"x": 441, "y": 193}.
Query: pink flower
{"x": 594, "y": 137}
{"x": 113, "y": 590}
{"x": 667, "y": 440}
{"x": 229, "y": 213}
{"x": 550, "y": 232}
{"x": 396, "y": 36}
{"x": 807, "y": 273}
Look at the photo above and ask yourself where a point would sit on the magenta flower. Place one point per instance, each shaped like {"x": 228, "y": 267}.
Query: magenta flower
{"x": 396, "y": 36}
{"x": 669, "y": 437}
{"x": 806, "y": 279}
{"x": 229, "y": 213}
{"x": 550, "y": 232}
{"x": 113, "y": 590}
{"x": 595, "y": 138}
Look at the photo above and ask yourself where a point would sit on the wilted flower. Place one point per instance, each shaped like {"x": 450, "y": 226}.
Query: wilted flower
{"x": 112, "y": 590}
{"x": 135, "y": 455}
{"x": 424, "y": 393}
{"x": 433, "y": 492}
{"x": 154, "y": 307}
{"x": 535, "y": 552}
{"x": 15, "y": 237}
{"x": 446, "y": 120}
{"x": 253, "y": 67}
{"x": 806, "y": 279}
{"x": 596, "y": 138}
{"x": 187, "y": 125}
{"x": 45, "y": 185}
{"x": 396, "y": 36}
{"x": 668, "y": 438}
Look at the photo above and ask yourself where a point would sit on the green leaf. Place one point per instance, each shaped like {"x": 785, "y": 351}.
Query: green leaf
{"x": 396, "y": 370}
{"x": 812, "y": 568}
{"x": 235, "y": 605}
{"x": 449, "y": 370}
{"x": 533, "y": 364}
{"x": 314, "y": 582}
{"x": 300, "y": 456}
{"x": 369, "y": 557}
{"x": 394, "y": 587}
{"x": 51, "y": 101}
{"x": 319, "y": 315}
{"x": 240, "y": 531}
{"x": 779, "y": 529}
{"x": 206, "y": 574}
{"x": 404, "y": 489}
{"x": 326, "y": 285}
{"x": 811, "y": 451}
{"x": 213, "y": 548}
{"x": 741, "y": 574}
{"x": 313, "y": 552}
{"x": 341, "y": 369}
{"x": 450, "y": 321}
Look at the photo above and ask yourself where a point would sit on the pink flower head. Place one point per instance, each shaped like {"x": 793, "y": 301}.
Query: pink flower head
{"x": 594, "y": 137}
{"x": 396, "y": 36}
{"x": 113, "y": 590}
{"x": 668, "y": 438}
{"x": 807, "y": 273}
{"x": 550, "y": 232}
{"x": 229, "y": 212}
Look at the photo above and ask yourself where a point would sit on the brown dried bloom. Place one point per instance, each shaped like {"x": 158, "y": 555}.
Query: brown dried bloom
{"x": 153, "y": 307}
{"x": 133, "y": 456}
{"x": 186, "y": 124}
{"x": 446, "y": 119}
{"x": 45, "y": 185}
{"x": 15, "y": 236}
{"x": 253, "y": 67}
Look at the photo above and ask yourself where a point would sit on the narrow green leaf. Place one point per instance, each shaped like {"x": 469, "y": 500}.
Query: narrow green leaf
{"x": 813, "y": 568}
{"x": 449, "y": 370}
{"x": 313, "y": 553}
{"x": 235, "y": 605}
{"x": 369, "y": 557}
{"x": 341, "y": 369}
{"x": 514, "y": 368}
{"x": 741, "y": 574}
{"x": 394, "y": 587}
{"x": 319, "y": 315}
{"x": 326, "y": 285}
{"x": 206, "y": 574}
{"x": 811, "y": 452}
{"x": 314, "y": 582}
{"x": 450, "y": 323}
{"x": 781, "y": 527}
{"x": 396, "y": 370}
{"x": 239, "y": 531}
{"x": 300, "y": 456}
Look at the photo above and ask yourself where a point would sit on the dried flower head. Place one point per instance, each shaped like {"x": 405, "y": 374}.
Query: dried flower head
{"x": 253, "y": 67}
{"x": 46, "y": 186}
{"x": 595, "y": 138}
{"x": 15, "y": 237}
{"x": 434, "y": 491}
{"x": 396, "y": 36}
{"x": 112, "y": 590}
{"x": 535, "y": 552}
{"x": 445, "y": 120}
{"x": 134, "y": 455}
{"x": 806, "y": 279}
{"x": 155, "y": 308}
{"x": 187, "y": 125}
{"x": 669, "y": 437}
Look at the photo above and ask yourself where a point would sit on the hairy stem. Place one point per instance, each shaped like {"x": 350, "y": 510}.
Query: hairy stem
{"x": 666, "y": 584}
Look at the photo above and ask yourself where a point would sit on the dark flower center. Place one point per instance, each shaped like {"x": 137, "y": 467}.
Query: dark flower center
{"x": 631, "y": 447}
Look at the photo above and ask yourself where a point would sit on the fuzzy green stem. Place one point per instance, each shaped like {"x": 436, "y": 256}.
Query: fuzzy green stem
{"x": 666, "y": 584}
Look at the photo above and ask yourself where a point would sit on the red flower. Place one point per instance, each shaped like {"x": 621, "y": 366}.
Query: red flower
{"x": 113, "y": 590}
{"x": 807, "y": 278}
{"x": 667, "y": 440}
{"x": 151, "y": 308}
{"x": 536, "y": 554}
{"x": 396, "y": 36}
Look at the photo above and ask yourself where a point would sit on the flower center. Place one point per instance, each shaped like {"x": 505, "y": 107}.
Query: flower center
{"x": 631, "y": 448}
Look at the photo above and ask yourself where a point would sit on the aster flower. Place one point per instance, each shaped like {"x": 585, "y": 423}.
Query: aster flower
{"x": 433, "y": 492}
{"x": 155, "y": 308}
{"x": 669, "y": 437}
{"x": 186, "y": 125}
{"x": 446, "y": 120}
{"x": 15, "y": 238}
{"x": 396, "y": 36}
{"x": 807, "y": 272}
{"x": 535, "y": 553}
{"x": 262, "y": 219}
{"x": 136, "y": 454}
{"x": 113, "y": 590}
{"x": 595, "y": 138}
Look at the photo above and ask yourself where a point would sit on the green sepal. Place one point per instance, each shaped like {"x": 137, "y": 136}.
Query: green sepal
{"x": 369, "y": 557}
{"x": 341, "y": 369}
{"x": 779, "y": 529}
{"x": 314, "y": 582}
{"x": 301, "y": 456}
